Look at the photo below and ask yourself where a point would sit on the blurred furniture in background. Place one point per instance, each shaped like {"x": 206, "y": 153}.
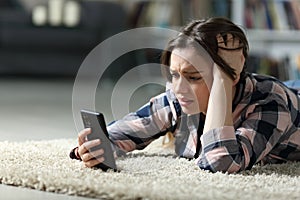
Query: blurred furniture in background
{"x": 38, "y": 38}
{"x": 31, "y": 46}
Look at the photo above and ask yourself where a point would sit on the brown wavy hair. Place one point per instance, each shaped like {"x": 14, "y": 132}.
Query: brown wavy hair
{"x": 204, "y": 32}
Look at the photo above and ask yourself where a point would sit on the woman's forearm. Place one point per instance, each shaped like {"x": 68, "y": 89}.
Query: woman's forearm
{"x": 219, "y": 110}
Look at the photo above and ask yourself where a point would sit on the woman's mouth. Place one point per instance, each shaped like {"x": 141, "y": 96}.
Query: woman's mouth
{"x": 185, "y": 102}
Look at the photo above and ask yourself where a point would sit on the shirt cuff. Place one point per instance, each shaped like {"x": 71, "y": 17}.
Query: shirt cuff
{"x": 218, "y": 135}
{"x": 73, "y": 154}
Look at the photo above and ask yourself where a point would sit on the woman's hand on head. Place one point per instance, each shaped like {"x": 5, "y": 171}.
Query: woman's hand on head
{"x": 88, "y": 157}
{"x": 231, "y": 51}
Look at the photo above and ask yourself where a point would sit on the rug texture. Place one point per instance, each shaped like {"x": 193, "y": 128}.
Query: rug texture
{"x": 153, "y": 173}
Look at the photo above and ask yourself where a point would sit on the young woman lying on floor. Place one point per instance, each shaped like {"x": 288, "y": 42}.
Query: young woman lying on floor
{"x": 219, "y": 114}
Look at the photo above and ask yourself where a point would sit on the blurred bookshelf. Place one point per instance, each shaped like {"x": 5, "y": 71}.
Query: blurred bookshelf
{"x": 272, "y": 26}
{"x": 173, "y": 13}
{"x": 273, "y": 30}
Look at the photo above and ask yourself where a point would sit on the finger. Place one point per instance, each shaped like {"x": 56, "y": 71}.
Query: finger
{"x": 230, "y": 41}
{"x": 94, "y": 154}
{"x": 220, "y": 40}
{"x": 236, "y": 43}
{"x": 92, "y": 163}
{"x": 90, "y": 144}
{"x": 82, "y": 135}
{"x": 82, "y": 149}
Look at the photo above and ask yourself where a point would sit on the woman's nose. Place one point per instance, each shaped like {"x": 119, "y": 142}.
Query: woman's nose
{"x": 181, "y": 86}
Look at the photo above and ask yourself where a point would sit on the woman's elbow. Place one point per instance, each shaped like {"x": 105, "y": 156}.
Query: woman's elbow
{"x": 223, "y": 164}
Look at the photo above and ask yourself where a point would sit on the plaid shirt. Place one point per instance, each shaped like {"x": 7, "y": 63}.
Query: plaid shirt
{"x": 266, "y": 120}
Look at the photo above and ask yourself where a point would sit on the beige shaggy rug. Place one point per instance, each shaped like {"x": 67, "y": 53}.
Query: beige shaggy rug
{"x": 153, "y": 173}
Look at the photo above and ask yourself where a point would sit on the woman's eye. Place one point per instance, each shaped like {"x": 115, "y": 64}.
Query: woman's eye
{"x": 195, "y": 78}
{"x": 174, "y": 75}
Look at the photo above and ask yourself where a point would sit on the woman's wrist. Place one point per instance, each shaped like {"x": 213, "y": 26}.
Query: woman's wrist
{"x": 219, "y": 75}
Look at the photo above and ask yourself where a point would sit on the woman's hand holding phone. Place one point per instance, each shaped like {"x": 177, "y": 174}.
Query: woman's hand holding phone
{"x": 83, "y": 151}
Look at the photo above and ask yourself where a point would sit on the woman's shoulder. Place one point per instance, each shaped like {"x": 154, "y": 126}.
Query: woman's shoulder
{"x": 265, "y": 83}
{"x": 268, "y": 87}
{"x": 262, "y": 78}
{"x": 262, "y": 81}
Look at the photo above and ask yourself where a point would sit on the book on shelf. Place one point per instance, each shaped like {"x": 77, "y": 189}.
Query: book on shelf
{"x": 295, "y": 5}
{"x": 280, "y": 15}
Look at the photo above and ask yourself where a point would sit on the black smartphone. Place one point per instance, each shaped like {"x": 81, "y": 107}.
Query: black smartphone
{"x": 96, "y": 122}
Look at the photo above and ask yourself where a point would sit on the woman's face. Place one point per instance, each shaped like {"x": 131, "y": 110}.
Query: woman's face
{"x": 190, "y": 76}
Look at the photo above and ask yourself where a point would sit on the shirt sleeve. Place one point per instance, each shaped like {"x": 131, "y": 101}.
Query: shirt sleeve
{"x": 138, "y": 129}
{"x": 231, "y": 150}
